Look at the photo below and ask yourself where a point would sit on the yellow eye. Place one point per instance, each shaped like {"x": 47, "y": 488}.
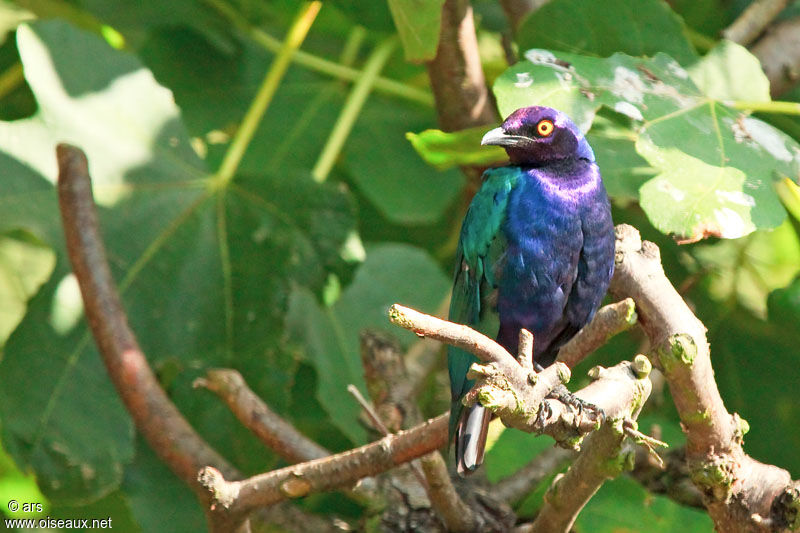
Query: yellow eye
{"x": 545, "y": 127}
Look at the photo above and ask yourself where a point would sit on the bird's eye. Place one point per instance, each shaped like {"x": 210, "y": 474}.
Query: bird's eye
{"x": 545, "y": 127}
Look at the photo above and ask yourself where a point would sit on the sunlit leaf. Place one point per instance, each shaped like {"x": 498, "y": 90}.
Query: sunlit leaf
{"x": 24, "y": 266}
{"x": 445, "y": 150}
{"x": 747, "y": 270}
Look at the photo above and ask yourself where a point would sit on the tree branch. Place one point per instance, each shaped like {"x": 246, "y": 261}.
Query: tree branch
{"x": 336, "y": 471}
{"x": 736, "y": 488}
{"x": 517, "y": 10}
{"x": 602, "y": 456}
{"x": 459, "y": 87}
{"x": 155, "y": 416}
{"x": 779, "y": 54}
{"x": 607, "y": 322}
{"x": 510, "y": 390}
{"x": 255, "y": 415}
{"x": 751, "y": 23}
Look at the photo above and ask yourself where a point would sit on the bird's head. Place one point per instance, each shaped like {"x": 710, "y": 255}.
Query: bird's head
{"x": 538, "y": 135}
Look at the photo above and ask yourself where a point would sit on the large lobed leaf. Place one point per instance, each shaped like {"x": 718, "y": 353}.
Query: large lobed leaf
{"x": 418, "y": 22}
{"x": 205, "y": 268}
{"x": 636, "y": 27}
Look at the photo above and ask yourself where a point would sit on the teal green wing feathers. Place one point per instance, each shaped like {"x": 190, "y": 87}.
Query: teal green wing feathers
{"x": 479, "y": 253}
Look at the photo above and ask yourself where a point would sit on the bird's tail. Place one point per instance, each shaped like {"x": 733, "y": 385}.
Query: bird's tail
{"x": 471, "y": 438}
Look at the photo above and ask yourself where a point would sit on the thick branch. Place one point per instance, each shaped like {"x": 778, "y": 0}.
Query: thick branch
{"x": 459, "y": 87}
{"x": 256, "y": 416}
{"x": 155, "y": 416}
{"x": 753, "y": 20}
{"x": 779, "y": 53}
{"x": 736, "y": 487}
{"x": 508, "y": 388}
{"x": 602, "y": 456}
{"x": 340, "y": 470}
{"x": 607, "y": 322}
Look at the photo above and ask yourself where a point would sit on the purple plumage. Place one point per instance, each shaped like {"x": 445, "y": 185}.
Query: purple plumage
{"x": 536, "y": 252}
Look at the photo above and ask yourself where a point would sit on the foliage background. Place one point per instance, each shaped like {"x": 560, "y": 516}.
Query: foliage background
{"x": 275, "y": 271}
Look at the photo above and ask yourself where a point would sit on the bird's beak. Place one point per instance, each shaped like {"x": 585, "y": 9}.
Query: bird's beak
{"x": 500, "y": 138}
{"x": 496, "y": 136}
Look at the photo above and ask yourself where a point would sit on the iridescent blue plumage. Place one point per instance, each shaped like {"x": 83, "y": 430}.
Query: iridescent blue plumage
{"x": 536, "y": 251}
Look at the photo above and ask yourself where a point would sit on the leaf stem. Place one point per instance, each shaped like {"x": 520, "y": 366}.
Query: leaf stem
{"x": 319, "y": 64}
{"x": 775, "y": 106}
{"x": 701, "y": 41}
{"x": 352, "y": 107}
{"x": 10, "y": 79}
{"x": 297, "y": 33}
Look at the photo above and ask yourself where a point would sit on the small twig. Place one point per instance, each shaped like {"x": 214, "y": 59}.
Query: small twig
{"x": 629, "y": 426}
{"x": 376, "y": 421}
{"x": 609, "y": 320}
{"x": 751, "y": 23}
{"x": 278, "y": 434}
{"x": 525, "y": 355}
{"x": 383, "y": 430}
{"x": 670, "y": 477}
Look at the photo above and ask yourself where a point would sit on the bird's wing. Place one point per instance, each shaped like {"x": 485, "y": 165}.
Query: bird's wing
{"x": 480, "y": 250}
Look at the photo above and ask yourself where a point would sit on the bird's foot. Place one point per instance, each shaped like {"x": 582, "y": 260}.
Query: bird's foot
{"x": 563, "y": 394}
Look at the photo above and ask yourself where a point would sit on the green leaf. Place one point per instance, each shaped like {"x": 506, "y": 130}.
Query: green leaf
{"x": 716, "y": 165}
{"x": 151, "y": 487}
{"x": 25, "y": 264}
{"x": 623, "y": 169}
{"x": 205, "y": 271}
{"x": 730, "y": 72}
{"x": 755, "y": 365}
{"x": 747, "y": 270}
{"x": 392, "y": 273}
{"x": 444, "y": 150}
{"x": 10, "y": 17}
{"x": 634, "y": 27}
{"x": 783, "y": 306}
{"x": 15, "y": 485}
{"x": 386, "y": 169}
{"x": 418, "y": 22}
{"x": 623, "y": 506}
{"x": 511, "y": 451}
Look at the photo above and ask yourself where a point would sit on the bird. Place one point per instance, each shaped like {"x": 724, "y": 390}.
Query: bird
{"x": 535, "y": 251}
